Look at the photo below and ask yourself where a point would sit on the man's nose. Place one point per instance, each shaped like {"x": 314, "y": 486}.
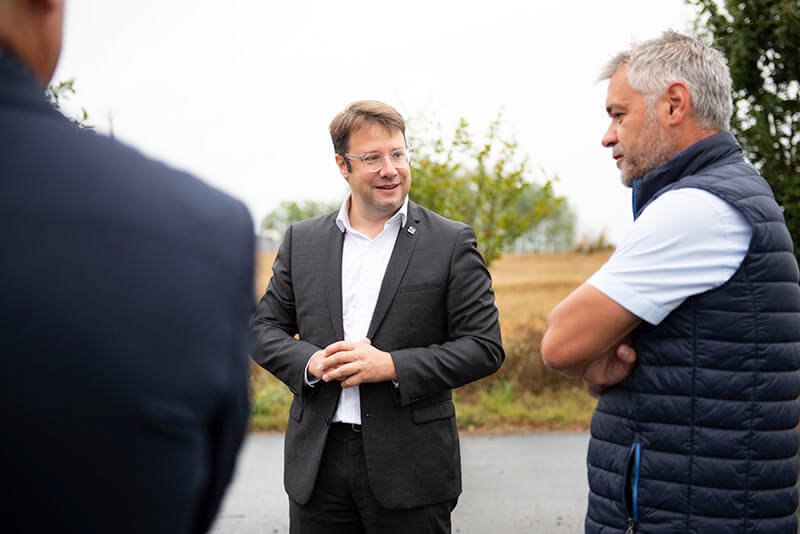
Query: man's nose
{"x": 387, "y": 169}
{"x": 610, "y": 137}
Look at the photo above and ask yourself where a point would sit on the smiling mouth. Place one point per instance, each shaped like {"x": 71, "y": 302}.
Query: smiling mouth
{"x": 387, "y": 187}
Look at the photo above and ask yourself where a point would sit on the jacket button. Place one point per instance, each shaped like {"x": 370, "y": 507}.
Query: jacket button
{"x": 327, "y": 421}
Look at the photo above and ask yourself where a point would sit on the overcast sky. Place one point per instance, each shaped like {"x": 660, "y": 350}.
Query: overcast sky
{"x": 241, "y": 92}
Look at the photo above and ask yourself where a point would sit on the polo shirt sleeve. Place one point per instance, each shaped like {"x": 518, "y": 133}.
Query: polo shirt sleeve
{"x": 686, "y": 242}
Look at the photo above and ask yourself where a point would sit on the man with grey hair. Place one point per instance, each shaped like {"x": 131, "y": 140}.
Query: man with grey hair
{"x": 690, "y": 333}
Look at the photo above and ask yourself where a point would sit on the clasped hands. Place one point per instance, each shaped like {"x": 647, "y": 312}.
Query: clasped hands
{"x": 352, "y": 363}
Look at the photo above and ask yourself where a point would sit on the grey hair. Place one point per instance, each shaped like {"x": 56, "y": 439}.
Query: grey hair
{"x": 656, "y": 63}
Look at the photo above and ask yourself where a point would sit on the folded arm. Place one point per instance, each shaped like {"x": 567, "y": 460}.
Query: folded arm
{"x": 588, "y": 336}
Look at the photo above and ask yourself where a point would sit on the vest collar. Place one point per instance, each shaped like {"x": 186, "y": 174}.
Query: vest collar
{"x": 686, "y": 162}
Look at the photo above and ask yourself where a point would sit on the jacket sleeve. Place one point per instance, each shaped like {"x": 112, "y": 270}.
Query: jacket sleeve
{"x": 474, "y": 348}
{"x": 274, "y": 325}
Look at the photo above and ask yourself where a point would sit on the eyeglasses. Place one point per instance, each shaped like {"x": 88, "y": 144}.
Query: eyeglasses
{"x": 373, "y": 161}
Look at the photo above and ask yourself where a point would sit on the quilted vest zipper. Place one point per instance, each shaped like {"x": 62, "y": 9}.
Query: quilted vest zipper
{"x": 632, "y": 484}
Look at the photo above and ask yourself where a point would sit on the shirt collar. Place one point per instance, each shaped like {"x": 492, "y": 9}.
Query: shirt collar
{"x": 343, "y": 218}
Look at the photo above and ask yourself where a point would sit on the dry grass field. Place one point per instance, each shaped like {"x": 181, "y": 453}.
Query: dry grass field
{"x": 523, "y": 395}
{"x": 263, "y": 271}
{"x": 526, "y": 285}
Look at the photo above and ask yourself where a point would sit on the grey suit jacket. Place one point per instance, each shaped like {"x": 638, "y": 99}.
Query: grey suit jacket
{"x": 435, "y": 314}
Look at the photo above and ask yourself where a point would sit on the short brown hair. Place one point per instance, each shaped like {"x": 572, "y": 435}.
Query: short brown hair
{"x": 359, "y": 114}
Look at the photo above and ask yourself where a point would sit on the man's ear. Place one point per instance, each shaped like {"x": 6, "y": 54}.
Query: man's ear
{"x": 679, "y": 102}
{"x": 341, "y": 162}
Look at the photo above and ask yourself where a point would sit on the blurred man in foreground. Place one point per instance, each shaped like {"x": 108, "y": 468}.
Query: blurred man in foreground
{"x": 125, "y": 290}
{"x": 690, "y": 334}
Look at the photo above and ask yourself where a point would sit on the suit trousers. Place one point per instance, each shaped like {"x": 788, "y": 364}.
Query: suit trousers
{"x": 342, "y": 501}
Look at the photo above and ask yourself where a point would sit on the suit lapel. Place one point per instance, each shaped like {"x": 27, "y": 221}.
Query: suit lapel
{"x": 401, "y": 254}
{"x": 334, "y": 240}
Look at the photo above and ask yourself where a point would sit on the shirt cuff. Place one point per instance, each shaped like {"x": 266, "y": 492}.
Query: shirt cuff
{"x": 312, "y": 382}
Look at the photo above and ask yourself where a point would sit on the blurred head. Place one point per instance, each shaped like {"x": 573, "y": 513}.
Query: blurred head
{"x": 367, "y": 134}
{"x": 32, "y": 29}
{"x": 663, "y": 95}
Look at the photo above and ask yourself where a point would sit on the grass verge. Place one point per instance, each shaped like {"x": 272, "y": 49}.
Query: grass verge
{"x": 500, "y": 407}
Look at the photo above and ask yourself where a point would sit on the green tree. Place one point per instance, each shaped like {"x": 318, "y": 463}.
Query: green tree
{"x": 553, "y": 233}
{"x": 481, "y": 183}
{"x": 761, "y": 40}
{"x": 56, "y": 93}
{"x": 289, "y": 212}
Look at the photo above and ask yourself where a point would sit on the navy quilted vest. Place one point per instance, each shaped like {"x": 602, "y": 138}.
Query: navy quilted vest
{"x": 702, "y": 437}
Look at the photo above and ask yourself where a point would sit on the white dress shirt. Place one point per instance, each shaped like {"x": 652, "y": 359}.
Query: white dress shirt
{"x": 686, "y": 242}
{"x": 364, "y": 263}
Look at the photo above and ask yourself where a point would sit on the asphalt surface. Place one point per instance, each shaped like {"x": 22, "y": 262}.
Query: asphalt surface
{"x": 531, "y": 483}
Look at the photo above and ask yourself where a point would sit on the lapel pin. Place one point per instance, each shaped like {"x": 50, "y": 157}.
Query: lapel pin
{"x": 412, "y": 230}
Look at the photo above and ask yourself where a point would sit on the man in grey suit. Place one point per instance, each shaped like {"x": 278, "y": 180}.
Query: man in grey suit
{"x": 373, "y": 314}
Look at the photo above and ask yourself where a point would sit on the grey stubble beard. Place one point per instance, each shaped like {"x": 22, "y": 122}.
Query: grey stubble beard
{"x": 655, "y": 148}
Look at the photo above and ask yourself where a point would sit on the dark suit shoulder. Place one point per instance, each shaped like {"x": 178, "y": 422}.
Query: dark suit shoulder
{"x": 59, "y": 166}
{"x": 149, "y": 179}
{"x": 417, "y": 215}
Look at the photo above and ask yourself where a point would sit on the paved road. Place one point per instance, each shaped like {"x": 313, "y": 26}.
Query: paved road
{"x": 532, "y": 483}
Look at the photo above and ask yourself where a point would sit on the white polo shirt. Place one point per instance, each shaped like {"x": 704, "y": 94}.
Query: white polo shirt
{"x": 686, "y": 242}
